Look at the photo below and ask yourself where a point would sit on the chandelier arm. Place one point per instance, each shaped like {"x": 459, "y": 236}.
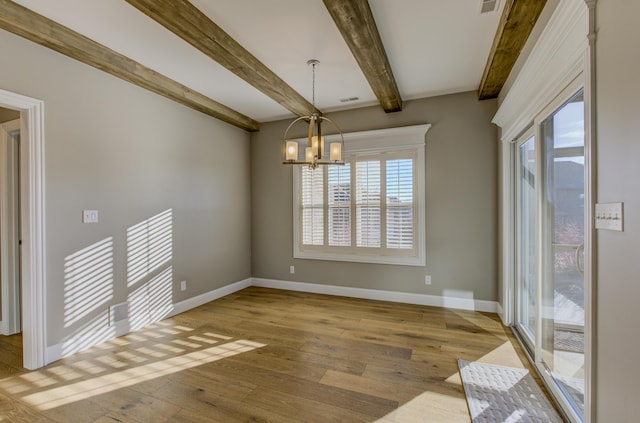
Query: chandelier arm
{"x": 293, "y": 123}
{"x": 336, "y": 126}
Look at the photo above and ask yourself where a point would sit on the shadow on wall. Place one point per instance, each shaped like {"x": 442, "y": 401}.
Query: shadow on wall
{"x": 89, "y": 284}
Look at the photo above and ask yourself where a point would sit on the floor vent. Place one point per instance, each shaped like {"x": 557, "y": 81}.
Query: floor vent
{"x": 118, "y": 312}
{"x": 489, "y": 6}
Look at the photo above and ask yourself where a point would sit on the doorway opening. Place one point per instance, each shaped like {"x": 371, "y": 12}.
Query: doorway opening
{"x": 31, "y": 225}
{"x": 10, "y": 222}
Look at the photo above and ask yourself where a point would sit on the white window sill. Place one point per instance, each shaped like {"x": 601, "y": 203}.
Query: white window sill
{"x": 361, "y": 258}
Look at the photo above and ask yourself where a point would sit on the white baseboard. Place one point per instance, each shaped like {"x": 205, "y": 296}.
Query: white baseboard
{"x": 374, "y": 294}
{"x": 500, "y": 312}
{"x": 105, "y": 333}
{"x": 207, "y": 297}
{"x": 7, "y": 330}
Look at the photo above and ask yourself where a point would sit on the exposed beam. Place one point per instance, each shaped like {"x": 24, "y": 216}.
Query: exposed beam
{"x": 517, "y": 21}
{"x": 358, "y": 28}
{"x": 187, "y": 22}
{"x": 39, "y": 29}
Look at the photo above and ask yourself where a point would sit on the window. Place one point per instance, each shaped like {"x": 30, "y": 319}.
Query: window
{"x": 372, "y": 209}
{"x": 339, "y": 205}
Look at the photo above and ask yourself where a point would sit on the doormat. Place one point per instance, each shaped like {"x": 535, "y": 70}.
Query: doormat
{"x": 504, "y": 394}
{"x": 564, "y": 340}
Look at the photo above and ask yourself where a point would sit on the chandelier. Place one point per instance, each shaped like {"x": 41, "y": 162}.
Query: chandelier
{"x": 314, "y": 152}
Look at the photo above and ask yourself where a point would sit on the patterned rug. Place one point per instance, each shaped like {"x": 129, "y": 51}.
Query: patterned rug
{"x": 504, "y": 394}
{"x": 568, "y": 341}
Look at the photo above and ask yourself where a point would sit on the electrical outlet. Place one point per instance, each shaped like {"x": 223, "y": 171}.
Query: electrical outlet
{"x": 89, "y": 216}
{"x": 118, "y": 312}
{"x": 292, "y": 269}
{"x": 183, "y": 286}
{"x": 427, "y": 280}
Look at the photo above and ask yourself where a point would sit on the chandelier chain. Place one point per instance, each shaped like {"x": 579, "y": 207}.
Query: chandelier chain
{"x": 313, "y": 86}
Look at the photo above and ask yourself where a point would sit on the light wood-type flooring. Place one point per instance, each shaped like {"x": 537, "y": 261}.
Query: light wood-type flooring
{"x": 264, "y": 355}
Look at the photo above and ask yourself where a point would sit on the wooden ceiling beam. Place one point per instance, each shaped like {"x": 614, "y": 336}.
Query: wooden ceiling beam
{"x": 358, "y": 28}
{"x": 39, "y": 29}
{"x": 517, "y": 21}
{"x": 187, "y": 22}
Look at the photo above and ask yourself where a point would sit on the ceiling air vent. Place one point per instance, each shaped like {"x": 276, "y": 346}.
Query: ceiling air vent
{"x": 487, "y": 6}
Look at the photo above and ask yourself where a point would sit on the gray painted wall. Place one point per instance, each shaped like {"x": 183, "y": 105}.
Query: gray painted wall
{"x": 131, "y": 154}
{"x": 461, "y": 195}
{"x": 618, "y": 179}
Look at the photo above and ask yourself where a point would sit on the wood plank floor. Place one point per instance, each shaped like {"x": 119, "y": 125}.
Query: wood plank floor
{"x": 264, "y": 355}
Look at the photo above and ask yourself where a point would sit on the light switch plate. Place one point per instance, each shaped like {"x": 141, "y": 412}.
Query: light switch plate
{"x": 89, "y": 216}
{"x": 610, "y": 216}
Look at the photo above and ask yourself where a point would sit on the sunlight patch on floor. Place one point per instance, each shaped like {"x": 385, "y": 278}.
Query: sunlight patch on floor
{"x": 68, "y": 391}
{"x": 437, "y": 407}
{"x": 504, "y": 355}
{"x": 430, "y": 407}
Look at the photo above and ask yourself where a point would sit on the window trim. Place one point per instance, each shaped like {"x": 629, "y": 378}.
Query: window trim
{"x": 371, "y": 143}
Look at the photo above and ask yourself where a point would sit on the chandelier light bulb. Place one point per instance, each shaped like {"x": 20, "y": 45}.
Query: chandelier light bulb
{"x": 308, "y": 155}
{"x": 292, "y": 150}
{"x": 335, "y": 152}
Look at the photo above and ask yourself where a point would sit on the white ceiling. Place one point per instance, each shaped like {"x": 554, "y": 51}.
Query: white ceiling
{"x": 434, "y": 46}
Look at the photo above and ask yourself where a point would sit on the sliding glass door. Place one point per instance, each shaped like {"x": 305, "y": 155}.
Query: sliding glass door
{"x": 550, "y": 228}
{"x": 563, "y": 217}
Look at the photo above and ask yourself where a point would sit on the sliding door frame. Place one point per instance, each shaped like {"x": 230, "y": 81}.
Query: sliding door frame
{"x": 563, "y": 52}
{"x": 517, "y": 213}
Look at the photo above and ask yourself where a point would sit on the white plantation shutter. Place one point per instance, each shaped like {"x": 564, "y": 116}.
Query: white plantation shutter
{"x": 339, "y": 205}
{"x": 368, "y": 207}
{"x": 369, "y": 210}
{"x": 400, "y": 205}
{"x": 312, "y": 204}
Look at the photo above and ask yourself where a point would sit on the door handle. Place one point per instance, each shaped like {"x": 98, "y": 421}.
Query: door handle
{"x": 580, "y": 268}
